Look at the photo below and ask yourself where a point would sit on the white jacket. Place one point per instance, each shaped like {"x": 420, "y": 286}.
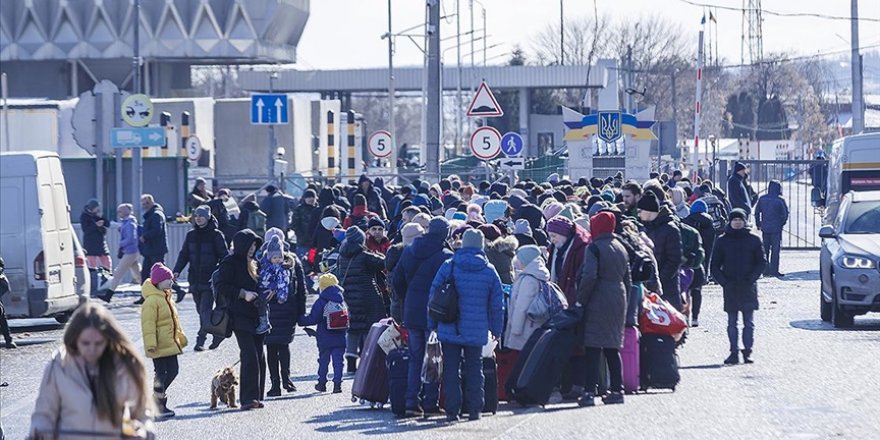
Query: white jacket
{"x": 525, "y": 288}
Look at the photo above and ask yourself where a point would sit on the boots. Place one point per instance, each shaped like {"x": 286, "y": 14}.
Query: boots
{"x": 733, "y": 359}
{"x": 161, "y": 406}
{"x": 747, "y": 356}
{"x": 588, "y": 399}
{"x": 275, "y": 391}
{"x": 337, "y": 388}
{"x": 351, "y": 365}
{"x": 288, "y": 385}
{"x": 573, "y": 394}
{"x": 613, "y": 398}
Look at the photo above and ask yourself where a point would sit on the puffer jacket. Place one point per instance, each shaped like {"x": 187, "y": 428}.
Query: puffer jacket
{"x": 666, "y": 236}
{"x": 202, "y": 250}
{"x": 302, "y": 217}
{"x": 155, "y": 242}
{"x": 128, "y": 235}
{"x": 603, "y": 292}
{"x": 414, "y": 274}
{"x": 356, "y": 270}
{"x": 327, "y": 339}
{"x": 500, "y": 253}
{"x": 526, "y": 287}
{"x": 233, "y": 276}
{"x": 737, "y": 263}
{"x": 771, "y": 212}
{"x": 160, "y": 323}
{"x": 283, "y": 316}
{"x": 93, "y": 235}
{"x": 480, "y": 299}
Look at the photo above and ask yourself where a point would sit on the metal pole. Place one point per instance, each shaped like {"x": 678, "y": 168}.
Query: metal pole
{"x": 484, "y": 38}
{"x": 433, "y": 121}
{"x": 5, "y": 86}
{"x": 120, "y": 195}
{"x": 273, "y": 143}
{"x": 100, "y": 129}
{"x": 561, "y": 34}
{"x": 458, "y": 82}
{"x": 858, "y": 108}
{"x": 392, "y": 126}
{"x": 136, "y": 156}
{"x": 698, "y": 103}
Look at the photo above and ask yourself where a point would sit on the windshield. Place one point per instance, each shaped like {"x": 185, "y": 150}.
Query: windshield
{"x": 863, "y": 218}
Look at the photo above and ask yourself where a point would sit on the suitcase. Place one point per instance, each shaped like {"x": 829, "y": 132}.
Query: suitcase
{"x": 490, "y": 389}
{"x": 540, "y": 365}
{"x": 505, "y": 359}
{"x": 398, "y": 371}
{"x": 371, "y": 379}
{"x": 629, "y": 358}
{"x": 659, "y": 362}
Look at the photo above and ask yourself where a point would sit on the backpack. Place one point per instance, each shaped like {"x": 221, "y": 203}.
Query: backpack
{"x": 548, "y": 303}
{"x": 641, "y": 266}
{"x": 692, "y": 253}
{"x": 716, "y": 210}
{"x": 336, "y": 314}
{"x": 443, "y": 306}
{"x": 257, "y": 222}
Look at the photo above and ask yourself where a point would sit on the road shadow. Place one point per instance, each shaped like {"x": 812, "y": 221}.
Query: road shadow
{"x": 869, "y": 325}
{"x": 805, "y": 275}
{"x": 701, "y": 367}
{"x": 370, "y": 421}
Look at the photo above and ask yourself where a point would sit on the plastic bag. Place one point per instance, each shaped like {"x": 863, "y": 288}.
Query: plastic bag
{"x": 661, "y": 318}
{"x": 489, "y": 348}
{"x": 432, "y": 367}
{"x": 391, "y": 339}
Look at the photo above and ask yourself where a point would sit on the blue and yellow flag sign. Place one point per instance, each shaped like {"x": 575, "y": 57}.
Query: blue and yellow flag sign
{"x": 609, "y": 126}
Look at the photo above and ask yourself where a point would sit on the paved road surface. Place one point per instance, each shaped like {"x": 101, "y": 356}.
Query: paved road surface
{"x": 809, "y": 382}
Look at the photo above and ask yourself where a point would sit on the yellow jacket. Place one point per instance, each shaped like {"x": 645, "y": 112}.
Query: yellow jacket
{"x": 163, "y": 335}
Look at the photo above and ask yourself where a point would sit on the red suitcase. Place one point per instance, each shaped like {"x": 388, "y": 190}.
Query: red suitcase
{"x": 505, "y": 359}
{"x": 629, "y": 357}
{"x": 371, "y": 379}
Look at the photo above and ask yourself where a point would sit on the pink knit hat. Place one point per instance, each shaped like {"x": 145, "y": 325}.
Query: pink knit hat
{"x": 160, "y": 272}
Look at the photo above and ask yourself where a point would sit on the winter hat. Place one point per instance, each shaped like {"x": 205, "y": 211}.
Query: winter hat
{"x": 273, "y": 232}
{"x": 422, "y": 219}
{"x": 738, "y": 213}
{"x": 602, "y": 223}
{"x": 553, "y": 178}
{"x": 526, "y": 254}
{"x": 598, "y": 206}
{"x": 438, "y": 226}
{"x": 354, "y": 235}
{"x": 410, "y": 232}
{"x": 649, "y": 203}
{"x": 445, "y": 185}
{"x": 608, "y": 196}
{"x": 738, "y": 166}
{"x": 490, "y": 231}
{"x": 560, "y": 225}
{"x": 360, "y": 200}
{"x": 559, "y": 196}
{"x": 494, "y": 209}
{"x": 459, "y": 216}
{"x": 567, "y": 212}
{"x": 698, "y": 207}
{"x": 552, "y": 210}
{"x": 375, "y": 221}
{"x": 522, "y": 227}
{"x": 472, "y": 238}
{"x": 676, "y": 173}
{"x": 203, "y": 211}
{"x": 92, "y": 204}
{"x": 327, "y": 280}
{"x": 364, "y": 178}
{"x": 160, "y": 272}
{"x": 449, "y": 213}
{"x": 273, "y": 247}
{"x": 329, "y": 223}
{"x": 519, "y": 192}
{"x": 309, "y": 194}
{"x": 515, "y": 201}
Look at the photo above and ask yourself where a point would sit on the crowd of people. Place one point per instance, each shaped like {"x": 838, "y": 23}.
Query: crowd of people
{"x": 389, "y": 250}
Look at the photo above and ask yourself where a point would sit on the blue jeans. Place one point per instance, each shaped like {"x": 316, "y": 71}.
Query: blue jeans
{"x": 324, "y": 358}
{"x": 772, "y": 243}
{"x": 748, "y": 330}
{"x": 428, "y": 394}
{"x": 453, "y": 355}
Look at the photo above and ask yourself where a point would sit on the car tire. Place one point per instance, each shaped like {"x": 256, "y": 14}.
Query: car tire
{"x": 839, "y": 317}
{"x": 62, "y": 318}
{"x": 824, "y": 307}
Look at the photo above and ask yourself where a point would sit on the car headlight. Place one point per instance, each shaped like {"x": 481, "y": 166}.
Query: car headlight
{"x": 856, "y": 262}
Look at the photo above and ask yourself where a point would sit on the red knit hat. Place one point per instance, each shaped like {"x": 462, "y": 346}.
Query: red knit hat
{"x": 160, "y": 272}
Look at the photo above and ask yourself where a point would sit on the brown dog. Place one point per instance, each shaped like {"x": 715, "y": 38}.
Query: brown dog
{"x": 223, "y": 387}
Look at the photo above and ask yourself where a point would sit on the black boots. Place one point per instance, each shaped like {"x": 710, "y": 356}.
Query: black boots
{"x": 733, "y": 359}
{"x": 162, "y": 406}
{"x": 337, "y": 388}
{"x": 747, "y": 357}
{"x": 351, "y": 365}
{"x": 288, "y": 385}
{"x": 275, "y": 391}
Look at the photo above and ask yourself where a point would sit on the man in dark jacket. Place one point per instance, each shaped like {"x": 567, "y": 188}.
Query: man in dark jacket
{"x": 277, "y": 207}
{"x": 737, "y": 263}
{"x": 702, "y": 222}
{"x": 771, "y": 214}
{"x": 661, "y": 228}
{"x": 154, "y": 240}
{"x": 202, "y": 250}
{"x": 739, "y": 190}
{"x": 302, "y": 218}
{"x": 94, "y": 229}
{"x": 412, "y": 279}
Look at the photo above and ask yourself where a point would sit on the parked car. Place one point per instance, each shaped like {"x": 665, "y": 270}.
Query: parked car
{"x": 849, "y": 259}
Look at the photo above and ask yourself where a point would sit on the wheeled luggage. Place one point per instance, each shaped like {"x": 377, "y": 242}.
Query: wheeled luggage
{"x": 490, "y": 388}
{"x": 539, "y": 366}
{"x": 371, "y": 379}
{"x": 398, "y": 369}
{"x": 505, "y": 360}
{"x": 659, "y": 362}
{"x": 629, "y": 358}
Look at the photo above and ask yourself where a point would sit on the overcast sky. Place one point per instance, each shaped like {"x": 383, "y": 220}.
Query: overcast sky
{"x": 346, "y": 33}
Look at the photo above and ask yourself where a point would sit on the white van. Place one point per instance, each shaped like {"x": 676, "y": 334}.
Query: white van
{"x": 853, "y": 165}
{"x": 36, "y": 236}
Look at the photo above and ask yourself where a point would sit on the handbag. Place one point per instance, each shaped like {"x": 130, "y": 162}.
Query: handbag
{"x": 443, "y": 306}
{"x": 217, "y": 322}
{"x": 432, "y": 367}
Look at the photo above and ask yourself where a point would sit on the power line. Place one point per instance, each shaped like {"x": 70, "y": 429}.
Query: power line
{"x": 779, "y": 14}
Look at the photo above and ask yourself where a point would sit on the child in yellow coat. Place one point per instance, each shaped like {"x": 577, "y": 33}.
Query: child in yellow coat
{"x": 163, "y": 336}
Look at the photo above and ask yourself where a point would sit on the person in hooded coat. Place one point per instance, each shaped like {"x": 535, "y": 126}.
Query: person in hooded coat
{"x": 771, "y": 214}
{"x": 661, "y": 227}
{"x": 500, "y": 250}
{"x": 373, "y": 196}
{"x": 250, "y": 216}
{"x": 739, "y": 190}
{"x": 702, "y": 222}
{"x": 604, "y": 287}
{"x": 360, "y": 215}
{"x": 94, "y": 230}
{"x": 153, "y": 238}
{"x": 679, "y": 201}
{"x": 531, "y": 274}
{"x": 408, "y": 234}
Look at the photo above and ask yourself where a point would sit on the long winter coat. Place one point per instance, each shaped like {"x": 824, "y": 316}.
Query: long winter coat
{"x": 283, "y": 316}
{"x": 93, "y": 242}
{"x": 414, "y": 275}
{"x": 302, "y": 218}
{"x": 664, "y": 232}
{"x": 480, "y": 299}
{"x": 603, "y": 292}
{"x": 567, "y": 278}
{"x": 739, "y": 192}
{"x": 155, "y": 242}
{"x": 202, "y": 250}
{"x": 160, "y": 323}
{"x": 233, "y": 276}
{"x": 356, "y": 270}
{"x": 771, "y": 212}
{"x": 526, "y": 287}
{"x": 737, "y": 263}
{"x": 327, "y": 339}
{"x": 500, "y": 253}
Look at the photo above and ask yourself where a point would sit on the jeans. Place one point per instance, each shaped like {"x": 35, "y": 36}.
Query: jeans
{"x": 253, "y": 366}
{"x": 165, "y": 370}
{"x": 594, "y": 366}
{"x": 324, "y": 358}
{"x": 204, "y": 299}
{"x": 748, "y": 330}
{"x": 453, "y": 355}
{"x": 354, "y": 343}
{"x": 149, "y": 261}
{"x": 278, "y": 358}
{"x": 128, "y": 263}
{"x": 772, "y": 243}
{"x": 429, "y": 393}
{"x": 697, "y": 292}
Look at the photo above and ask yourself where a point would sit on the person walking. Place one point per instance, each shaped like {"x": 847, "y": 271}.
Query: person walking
{"x": 94, "y": 230}
{"x": 737, "y": 263}
{"x": 531, "y": 275}
{"x": 700, "y": 220}
{"x": 412, "y": 280}
{"x": 237, "y": 284}
{"x": 203, "y": 249}
{"x": 771, "y": 214}
{"x": 331, "y": 342}
{"x": 739, "y": 191}
{"x": 662, "y": 229}
{"x": 153, "y": 239}
{"x": 199, "y": 195}
{"x": 127, "y": 253}
{"x": 92, "y": 380}
{"x": 163, "y": 335}
{"x": 4, "y": 324}
{"x": 250, "y": 216}
{"x": 481, "y": 312}
{"x": 283, "y": 316}
{"x": 603, "y": 292}
{"x": 277, "y": 206}
{"x": 302, "y": 218}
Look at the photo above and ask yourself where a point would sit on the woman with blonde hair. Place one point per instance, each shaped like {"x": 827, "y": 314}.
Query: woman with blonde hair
{"x": 95, "y": 384}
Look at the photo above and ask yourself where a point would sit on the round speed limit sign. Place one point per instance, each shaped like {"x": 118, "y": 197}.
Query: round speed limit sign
{"x": 380, "y": 143}
{"x": 486, "y": 143}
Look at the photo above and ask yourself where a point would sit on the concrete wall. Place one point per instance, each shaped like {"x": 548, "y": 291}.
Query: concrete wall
{"x": 541, "y": 124}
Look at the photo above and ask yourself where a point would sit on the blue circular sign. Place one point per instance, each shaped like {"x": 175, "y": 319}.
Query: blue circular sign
{"x": 512, "y": 144}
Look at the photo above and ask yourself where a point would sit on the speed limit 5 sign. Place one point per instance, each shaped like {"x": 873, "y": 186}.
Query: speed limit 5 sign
{"x": 380, "y": 143}
{"x": 486, "y": 143}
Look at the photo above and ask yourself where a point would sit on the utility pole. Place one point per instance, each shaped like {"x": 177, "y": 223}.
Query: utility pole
{"x": 137, "y": 160}
{"x": 432, "y": 144}
{"x": 562, "y": 34}
{"x": 273, "y": 142}
{"x": 858, "y": 107}
{"x": 458, "y": 134}
{"x": 628, "y": 78}
{"x": 391, "y": 124}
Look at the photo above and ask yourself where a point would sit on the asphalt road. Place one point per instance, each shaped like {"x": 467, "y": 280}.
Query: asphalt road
{"x": 809, "y": 381}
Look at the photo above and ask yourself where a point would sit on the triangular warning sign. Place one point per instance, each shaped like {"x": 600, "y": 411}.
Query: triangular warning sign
{"x": 484, "y": 104}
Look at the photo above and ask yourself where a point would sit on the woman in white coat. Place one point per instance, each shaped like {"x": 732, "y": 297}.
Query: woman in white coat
{"x": 531, "y": 274}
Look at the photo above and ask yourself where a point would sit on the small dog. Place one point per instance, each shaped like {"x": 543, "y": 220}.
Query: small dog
{"x": 223, "y": 387}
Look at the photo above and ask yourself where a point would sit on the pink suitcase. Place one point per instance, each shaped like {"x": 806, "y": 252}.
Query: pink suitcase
{"x": 629, "y": 356}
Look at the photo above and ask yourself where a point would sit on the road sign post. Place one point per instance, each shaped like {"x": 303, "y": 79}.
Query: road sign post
{"x": 512, "y": 144}
{"x": 484, "y": 104}
{"x": 486, "y": 143}
{"x": 380, "y": 144}
{"x": 137, "y": 137}
{"x": 269, "y": 109}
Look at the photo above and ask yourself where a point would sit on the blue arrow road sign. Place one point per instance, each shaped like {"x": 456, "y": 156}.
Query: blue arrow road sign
{"x": 269, "y": 109}
{"x": 512, "y": 144}
{"x": 134, "y": 137}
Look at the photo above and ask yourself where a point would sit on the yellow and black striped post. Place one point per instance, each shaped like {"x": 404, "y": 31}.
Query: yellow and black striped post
{"x": 165, "y": 122}
{"x": 184, "y": 133}
{"x": 331, "y": 147}
{"x": 351, "y": 162}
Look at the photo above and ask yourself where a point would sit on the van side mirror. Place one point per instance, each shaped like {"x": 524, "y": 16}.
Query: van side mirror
{"x": 827, "y": 231}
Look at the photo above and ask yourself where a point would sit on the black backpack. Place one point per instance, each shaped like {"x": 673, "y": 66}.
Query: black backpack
{"x": 443, "y": 306}
{"x": 641, "y": 266}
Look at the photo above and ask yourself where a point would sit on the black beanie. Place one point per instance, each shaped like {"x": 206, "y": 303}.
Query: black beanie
{"x": 649, "y": 203}
{"x": 360, "y": 200}
{"x": 738, "y": 166}
{"x": 738, "y": 213}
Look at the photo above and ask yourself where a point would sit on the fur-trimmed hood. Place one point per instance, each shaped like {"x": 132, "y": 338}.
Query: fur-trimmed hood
{"x": 505, "y": 245}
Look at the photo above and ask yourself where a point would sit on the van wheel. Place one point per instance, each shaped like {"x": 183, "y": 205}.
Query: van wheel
{"x": 839, "y": 318}
{"x": 62, "y": 318}
{"x": 824, "y": 307}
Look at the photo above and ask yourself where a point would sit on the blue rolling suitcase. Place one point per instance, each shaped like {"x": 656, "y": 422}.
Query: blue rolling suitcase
{"x": 398, "y": 370}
